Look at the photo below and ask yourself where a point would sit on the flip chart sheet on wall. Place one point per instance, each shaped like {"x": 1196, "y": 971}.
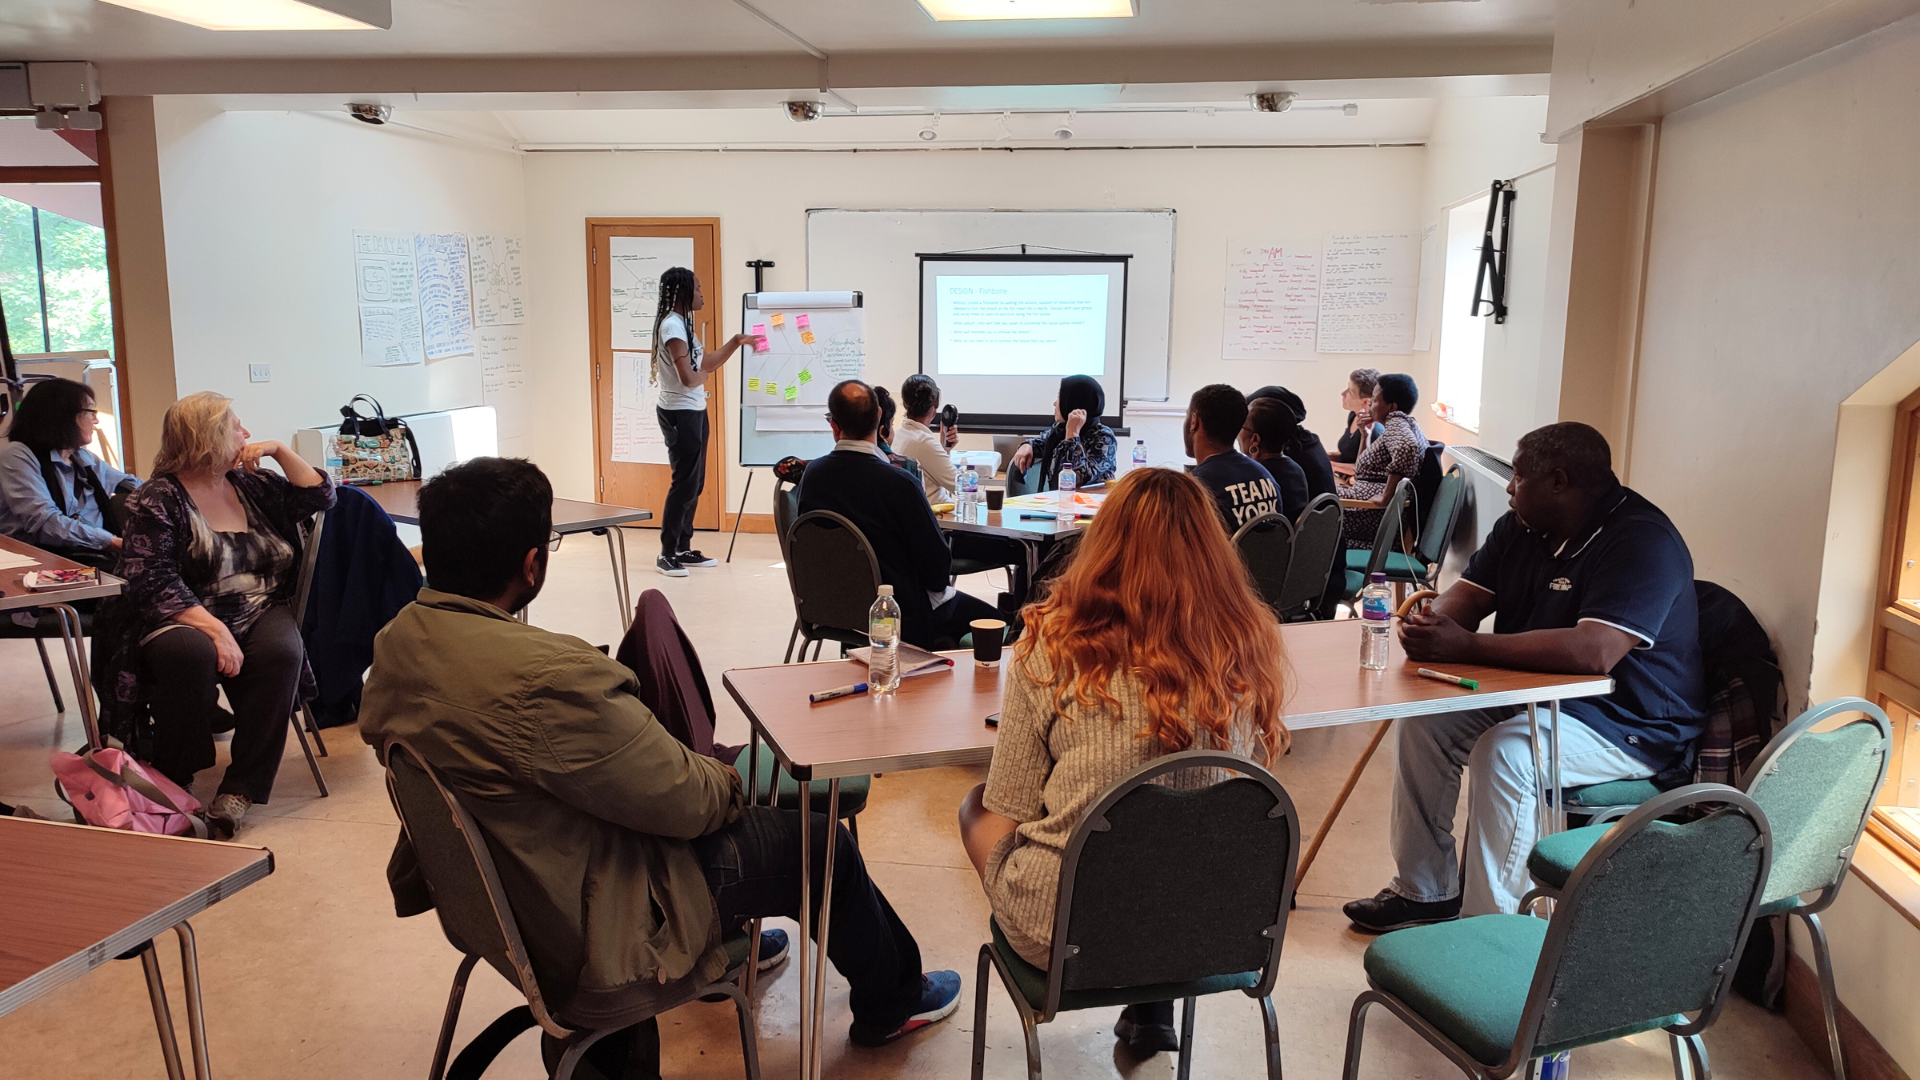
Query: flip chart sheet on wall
{"x": 1272, "y": 300}
{"x": 499, "y": 280}
{"x": 1341, "y": 293}
{"x": 446, "y": 297}
{"x": 634, "y": 266}
{"x": 383, "y": 270}
{"x": 503, "y": 378}
{"x": 1369, "y": 291}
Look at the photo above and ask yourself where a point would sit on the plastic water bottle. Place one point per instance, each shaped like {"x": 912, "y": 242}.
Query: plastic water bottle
{"x": 1556, "y": 1066}
{"x": 1068, "y": 482}
{"x": 1377, "y": 624}
{"x": 969, "y": 489}
{"x": 883, "y": 634}
{"x": 1139, "y": 453}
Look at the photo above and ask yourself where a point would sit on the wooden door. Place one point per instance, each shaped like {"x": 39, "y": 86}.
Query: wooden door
{"x": 629, "y": 460}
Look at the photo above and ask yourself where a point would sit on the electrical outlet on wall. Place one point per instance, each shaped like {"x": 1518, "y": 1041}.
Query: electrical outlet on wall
{"x": 260, "y": 372}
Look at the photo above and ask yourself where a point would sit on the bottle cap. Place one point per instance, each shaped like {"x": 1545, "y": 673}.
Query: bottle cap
{"x": 1379, "y": 579}
{"x": 886, "y": 590}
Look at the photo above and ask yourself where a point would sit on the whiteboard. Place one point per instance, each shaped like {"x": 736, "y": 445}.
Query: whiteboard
{"x": 877, "y": 251}
{"x": 805, "y": 342}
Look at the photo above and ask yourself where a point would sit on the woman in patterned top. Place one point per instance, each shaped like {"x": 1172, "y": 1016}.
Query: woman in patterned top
{"x": 1149, "y": 643}
{"x": 211, "y": 553}
{"x": 1392, "y": 457}
{"x": 1077, "y": 440}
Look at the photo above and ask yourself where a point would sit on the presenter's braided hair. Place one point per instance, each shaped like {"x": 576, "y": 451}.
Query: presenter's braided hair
{"x": 676, "y": 298}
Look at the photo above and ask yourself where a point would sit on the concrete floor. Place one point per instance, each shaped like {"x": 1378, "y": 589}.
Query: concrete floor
{"x": 309, "y": 975}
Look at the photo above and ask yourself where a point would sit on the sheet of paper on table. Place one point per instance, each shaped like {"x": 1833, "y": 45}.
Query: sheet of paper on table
{"x": 1083, "y": 502}
{"x": 12, "y": 561}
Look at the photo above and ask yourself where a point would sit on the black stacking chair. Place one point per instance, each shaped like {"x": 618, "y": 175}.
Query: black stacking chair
{"x": 834, "y": 576}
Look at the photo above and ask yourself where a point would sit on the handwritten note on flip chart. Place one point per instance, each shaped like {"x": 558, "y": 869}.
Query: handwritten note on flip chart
{"x": 446, "y": 294}
{"x": 499, "y": 281}
{"x": 1272, "y": 300}
{"x": 503, "y": 378}
{"x": 1369, "y": 286}
{"x": 383, "y": 272}
{"x": 634, "y": 266}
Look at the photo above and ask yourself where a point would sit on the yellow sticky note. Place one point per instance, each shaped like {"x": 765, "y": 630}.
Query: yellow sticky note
{"x": 806, "y": 337}
{"x": 778, "y": 319}
{"x": 793, "y": 392}
{"x": 805, "y": 376}
{"x": 773, "y": 388}
{"x": 753, "y": 384}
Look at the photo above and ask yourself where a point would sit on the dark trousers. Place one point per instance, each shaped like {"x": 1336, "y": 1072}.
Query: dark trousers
{"x": 955, "y": 617}
{"x": 753, "y": 869}
{"x": 179, "y": 668}
{"x": 685, "y": 431}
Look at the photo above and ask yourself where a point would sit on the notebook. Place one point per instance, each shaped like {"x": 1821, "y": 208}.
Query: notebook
{"x": 913, "y": 661}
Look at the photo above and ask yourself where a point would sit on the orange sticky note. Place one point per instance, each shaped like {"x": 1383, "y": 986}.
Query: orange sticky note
{"x": 778, "y": 318}
{"x": 806, "y": 337}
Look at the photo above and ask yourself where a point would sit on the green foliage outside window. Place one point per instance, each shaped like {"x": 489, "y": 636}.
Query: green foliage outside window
{"x": 73, "y": 254}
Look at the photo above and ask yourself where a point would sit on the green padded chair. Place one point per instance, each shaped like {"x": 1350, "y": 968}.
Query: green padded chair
{"x": 479, "y": 921}
{"x": 1384, "y": 538}
{"x": 1817, "y": 788}
{"x": 1265, "y": 545}
{"x": 1650, "y": 930}
{"x": 1164, "y": 895}
{"x": 786, "y": 791}
{"x": 1422, "y": 568}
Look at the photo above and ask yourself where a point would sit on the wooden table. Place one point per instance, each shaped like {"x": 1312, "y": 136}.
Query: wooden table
{"x": 401, "y": 500}
{"x": 74, "y": 897}
{"x": 16, "y": 597}
{"x": 932, "y": 720}
{"x": 1031, "y": 533}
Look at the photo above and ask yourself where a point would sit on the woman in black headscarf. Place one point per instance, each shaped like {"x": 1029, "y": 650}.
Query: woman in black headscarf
{"x": 1304, "y": 447}
{"x": 1077, "y": 440}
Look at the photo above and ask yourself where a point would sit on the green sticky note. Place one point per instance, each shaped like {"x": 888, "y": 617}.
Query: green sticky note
{"x": 805, "y": 376}
{"x": 793, "y": 393}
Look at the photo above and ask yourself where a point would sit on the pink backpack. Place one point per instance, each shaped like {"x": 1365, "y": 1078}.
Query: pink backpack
{"x": 110, "y": 789}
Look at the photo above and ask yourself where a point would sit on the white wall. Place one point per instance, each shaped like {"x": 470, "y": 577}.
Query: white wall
{"x": 761, "y": 199}
{"x": 260, "y": 211}
{"x": 1784, "y": 263}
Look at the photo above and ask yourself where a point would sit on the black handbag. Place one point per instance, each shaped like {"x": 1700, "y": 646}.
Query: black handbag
{"x": 372, "y": 449}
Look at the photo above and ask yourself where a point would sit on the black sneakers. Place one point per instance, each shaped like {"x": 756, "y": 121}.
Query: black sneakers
{"x": 694, "y": 558}
{"x": 669, "y": 566}
{"x": 1147, "y": 1029}
{"x": 1390, "y": 911}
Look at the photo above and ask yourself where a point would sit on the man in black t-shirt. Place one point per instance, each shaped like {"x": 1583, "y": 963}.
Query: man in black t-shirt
{"x": 1240, "y": 487}
{"x": 1582, "y": 576}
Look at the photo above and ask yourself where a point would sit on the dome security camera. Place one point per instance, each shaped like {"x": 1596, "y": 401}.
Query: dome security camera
{"x": 368, "y": 113}
{"x": 1273, "y": 101}
{"x": 932, "y": 129}
{"x": 801, "y": 112}
{"x": 1065, "y": 131}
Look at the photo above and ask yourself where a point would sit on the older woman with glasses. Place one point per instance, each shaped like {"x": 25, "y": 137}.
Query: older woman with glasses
{"x": 54, "y": 492}
{"x": 212, "y": 551}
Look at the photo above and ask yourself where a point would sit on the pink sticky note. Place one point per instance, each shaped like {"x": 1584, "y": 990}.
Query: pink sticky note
{"x": 803, "y": 321}
{"x": 759, "y": 330}
{"x": 760, "y": 344}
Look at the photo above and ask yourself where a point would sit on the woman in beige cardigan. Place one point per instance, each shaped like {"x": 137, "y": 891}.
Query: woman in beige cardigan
{"x": 1152, "y": 641}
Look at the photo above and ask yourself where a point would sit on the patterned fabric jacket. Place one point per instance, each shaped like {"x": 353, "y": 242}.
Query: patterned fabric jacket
{"x": 164, "y": 579}
{"x": 1090, "y": 456}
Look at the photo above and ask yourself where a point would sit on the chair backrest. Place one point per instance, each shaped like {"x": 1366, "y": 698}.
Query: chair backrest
{"x": 1443, "y": 513}
{"x": 1159, "y": 885}
{"x": 309, "y": 557}
{"x": 1028, "y": 480}
{"x": 1388, "y": 533}
{"x": 1316, "y": 544}
{"x": 460, "y": 875}
{"x": 1266, "y": 547}
{"x": 786, "y": 507}
{"x": 1652, "y": 922}
{"x": 1426, "y": 479}
{"x": 1817, "y": 789}
{"x": 833, "y": 571}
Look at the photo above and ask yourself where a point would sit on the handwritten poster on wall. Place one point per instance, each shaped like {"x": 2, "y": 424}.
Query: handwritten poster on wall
{"x": 634, "y": 266}
{"x": 503, "y": 378}
{"x": 499, "y": 281}
{"x": 446, "y": 297}
{"x": 1272, "y": 305}
{"x": 1369, "y": 286}
{"x": 383, "y": 270}
{"x": 636, "y": 430}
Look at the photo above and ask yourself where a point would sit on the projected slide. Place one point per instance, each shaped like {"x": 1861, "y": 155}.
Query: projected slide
{"x": 1021, "y": 324}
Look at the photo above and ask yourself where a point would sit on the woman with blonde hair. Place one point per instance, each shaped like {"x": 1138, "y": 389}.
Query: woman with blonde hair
{"x": 211, "y": 552}
{"x": 1152, "y": 641}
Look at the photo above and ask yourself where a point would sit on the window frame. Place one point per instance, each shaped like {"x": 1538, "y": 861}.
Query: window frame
{"x": 1893, "y": 679}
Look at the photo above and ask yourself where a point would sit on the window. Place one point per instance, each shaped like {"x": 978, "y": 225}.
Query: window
{"x": 53, "y": 278}
{"x": 1894, "y": 679}
{"x": 1463, "y": 336}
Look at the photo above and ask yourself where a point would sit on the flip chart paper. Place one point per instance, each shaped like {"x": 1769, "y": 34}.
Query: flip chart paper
{"x": 383, "y": 270}
{"x": 446, "y": 297}
{"x": 499, "y": 280}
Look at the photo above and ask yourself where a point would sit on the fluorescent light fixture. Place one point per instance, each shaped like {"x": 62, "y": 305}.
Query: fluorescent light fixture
{"x": 982, "y": 10}
{"x": 270, "y": 14}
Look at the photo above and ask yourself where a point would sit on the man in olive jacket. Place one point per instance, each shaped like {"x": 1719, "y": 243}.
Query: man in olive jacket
{"x": 623, "y": 853}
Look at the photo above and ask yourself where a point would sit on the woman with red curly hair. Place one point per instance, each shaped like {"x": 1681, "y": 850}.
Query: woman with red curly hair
{"x": 1151, "y": 642}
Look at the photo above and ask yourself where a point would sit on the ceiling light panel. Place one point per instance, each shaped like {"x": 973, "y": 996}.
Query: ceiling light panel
{"x": 985, "y": 10}
{"x": 270, "y": 14}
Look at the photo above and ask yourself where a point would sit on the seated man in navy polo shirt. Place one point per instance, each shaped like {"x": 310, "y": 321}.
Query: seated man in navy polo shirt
{"x": 1582, "y": 576}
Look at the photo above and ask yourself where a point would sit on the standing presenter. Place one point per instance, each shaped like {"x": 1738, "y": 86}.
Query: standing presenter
{"x": 680, "y": 370}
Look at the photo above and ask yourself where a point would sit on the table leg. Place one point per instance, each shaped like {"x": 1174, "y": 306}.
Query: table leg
{"x": 1559, "y": 792}
{"x": 826, "y": 909}
{"x": 742, "y": 512}
{"x": 162, "y": 1015}
{"x": 1340, "y": 802}
{"x": 77, "y": 665}
{"x": 806, "y": 910}
{"x": 1539, "y": 772}
{"x": 753, "y": 940}
{"x": 196, "y": 1009}
{"x": 618, "y": 557}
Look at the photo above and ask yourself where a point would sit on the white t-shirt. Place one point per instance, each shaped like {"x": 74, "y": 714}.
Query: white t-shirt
{"x": 675, "y": 394}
